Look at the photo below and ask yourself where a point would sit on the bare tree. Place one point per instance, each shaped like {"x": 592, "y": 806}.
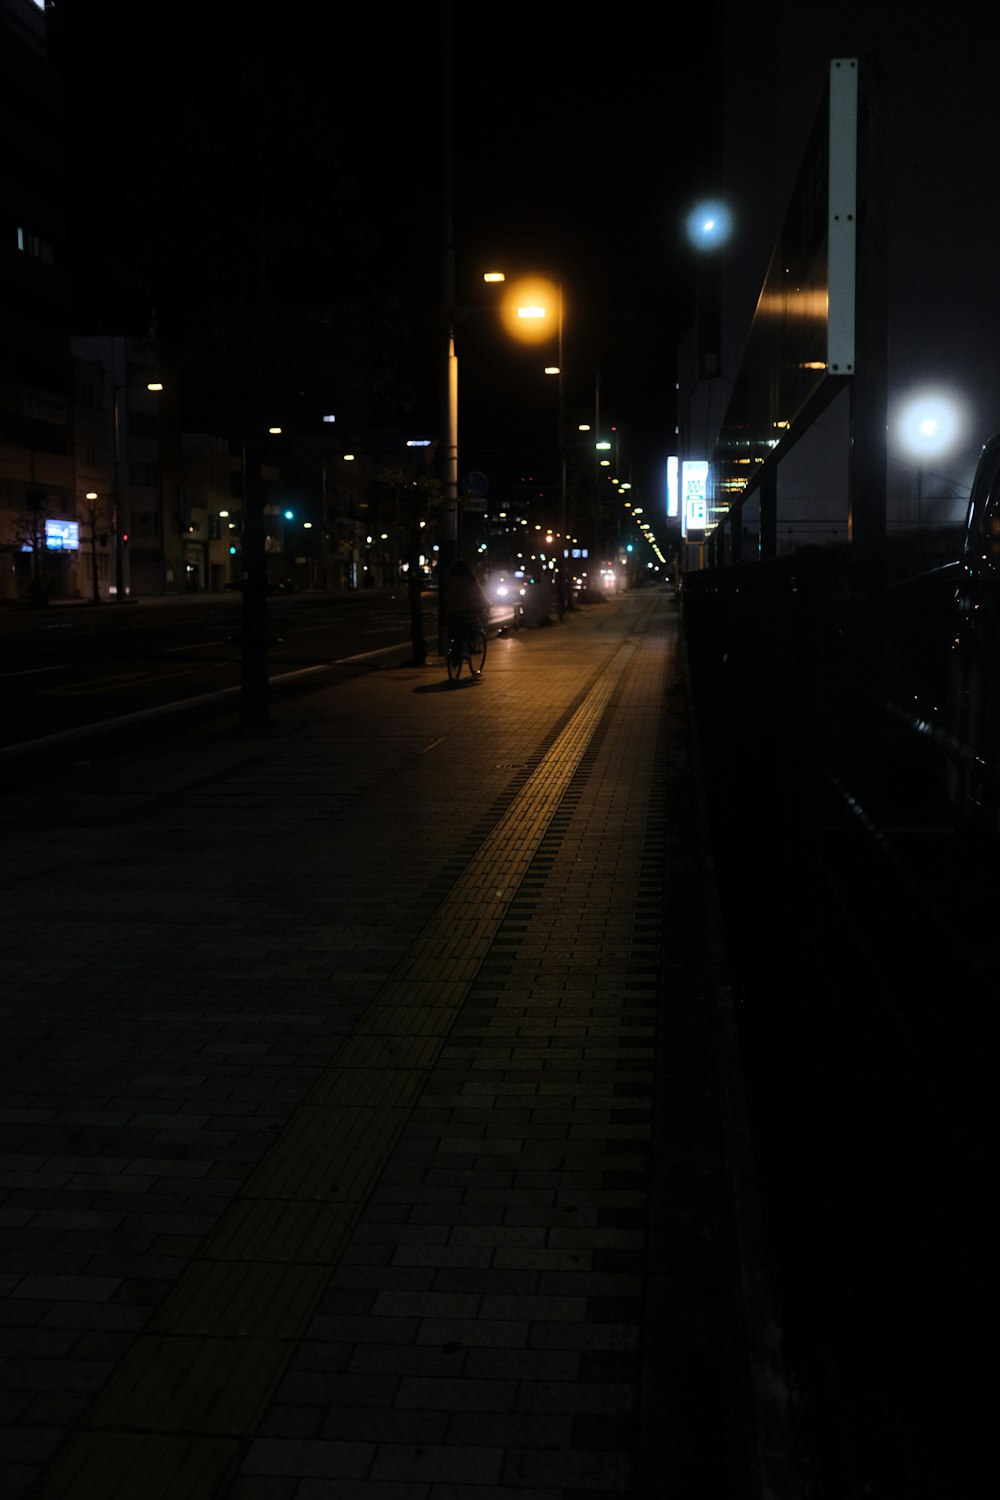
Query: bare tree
{"x": 29, "y": 536}
{"x": 95, "y": 527}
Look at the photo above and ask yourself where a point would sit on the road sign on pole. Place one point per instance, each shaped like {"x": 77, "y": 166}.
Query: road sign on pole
{"x": 474, "y": 488}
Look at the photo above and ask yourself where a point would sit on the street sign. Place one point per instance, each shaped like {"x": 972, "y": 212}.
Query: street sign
{"x": 474, "y": 487}
{"x": 476, "y": 484}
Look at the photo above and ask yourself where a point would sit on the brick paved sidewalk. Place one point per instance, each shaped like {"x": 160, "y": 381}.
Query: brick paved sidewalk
{"x": 371, "y": 1114}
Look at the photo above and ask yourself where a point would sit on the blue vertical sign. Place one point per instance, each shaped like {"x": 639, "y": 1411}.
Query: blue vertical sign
{"x": 694, "y": 495}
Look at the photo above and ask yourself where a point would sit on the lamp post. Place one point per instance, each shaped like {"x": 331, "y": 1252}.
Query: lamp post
{"x": 92, "y": 498}
{"x": 564, "y": 596}
{"x": 929, "y": 426}
{"x": 563, "y": 589}
{"x": 120, "y": 512}
{"x": 526, "y": 313}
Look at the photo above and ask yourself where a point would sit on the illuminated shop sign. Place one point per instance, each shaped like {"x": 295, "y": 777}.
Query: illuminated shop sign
{"x": 62, "y": 536}
{"x": 694, "y": 492}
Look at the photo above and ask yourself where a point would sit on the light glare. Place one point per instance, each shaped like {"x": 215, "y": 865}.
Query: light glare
{"x": 709, "y": 225}
{"x": 930, "y": 424}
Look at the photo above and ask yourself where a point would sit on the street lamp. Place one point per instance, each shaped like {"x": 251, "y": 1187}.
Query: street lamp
{"x": 527, "y": 310}
{"x": 92, "y": 498}
{"x": 929, "y": 426}
{"x": 557, "y": 370}
{"x": 709, "y": 224}
{"x": 120, "y": 512}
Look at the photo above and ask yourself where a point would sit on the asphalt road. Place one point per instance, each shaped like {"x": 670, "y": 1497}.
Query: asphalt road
{"x": 69, "y": 670}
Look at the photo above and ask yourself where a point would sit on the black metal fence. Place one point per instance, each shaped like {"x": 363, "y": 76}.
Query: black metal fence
{"x": 819, "y": 686}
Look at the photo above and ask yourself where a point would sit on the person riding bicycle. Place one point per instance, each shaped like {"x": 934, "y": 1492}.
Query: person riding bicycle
{"x": 466, "y": 606}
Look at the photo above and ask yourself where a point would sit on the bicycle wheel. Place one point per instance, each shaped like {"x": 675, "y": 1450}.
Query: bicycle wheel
{"x": 454, "y": 658}
{"x": 477, "y": 652}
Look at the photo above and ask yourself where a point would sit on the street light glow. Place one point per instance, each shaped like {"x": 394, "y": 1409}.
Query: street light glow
{"x": 929, "y": 424}
{"x": 530, "y": 309}
{"x": 709, "y": 224}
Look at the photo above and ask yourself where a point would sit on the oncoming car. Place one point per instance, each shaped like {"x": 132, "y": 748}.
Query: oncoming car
{"x": 506, "y": 593}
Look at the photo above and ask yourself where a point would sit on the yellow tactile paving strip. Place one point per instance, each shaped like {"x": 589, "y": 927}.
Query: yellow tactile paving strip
{"x": 171, "y": 1421}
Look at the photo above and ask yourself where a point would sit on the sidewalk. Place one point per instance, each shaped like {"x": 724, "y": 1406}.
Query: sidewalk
{"x": 372, "y": 1121}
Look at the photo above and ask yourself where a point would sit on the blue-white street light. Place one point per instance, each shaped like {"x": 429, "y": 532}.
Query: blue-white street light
{"x": 929, "y": 425}
{"x": 709, "y": 224}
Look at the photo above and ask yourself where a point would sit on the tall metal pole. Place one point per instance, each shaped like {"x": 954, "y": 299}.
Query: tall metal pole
{"x": 448, "y": 531}
{"x": 599, "y": 528}
{"x": 119, "y": 508}
{"x": 564, "y": 547}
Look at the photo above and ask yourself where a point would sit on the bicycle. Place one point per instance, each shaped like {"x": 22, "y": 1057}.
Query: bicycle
{"x": 467, "y": 649}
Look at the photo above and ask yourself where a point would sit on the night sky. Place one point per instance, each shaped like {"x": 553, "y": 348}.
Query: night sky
{"x": 576, "y": 146}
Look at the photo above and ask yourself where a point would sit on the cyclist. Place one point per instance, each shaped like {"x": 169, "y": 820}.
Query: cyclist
{"x": 466, "y": 606}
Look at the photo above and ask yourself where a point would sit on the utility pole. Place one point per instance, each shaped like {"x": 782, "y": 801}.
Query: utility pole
{"x": 448, "y": 529}
{"x": 564, "y": 601}
{"x": 254, "y": 690}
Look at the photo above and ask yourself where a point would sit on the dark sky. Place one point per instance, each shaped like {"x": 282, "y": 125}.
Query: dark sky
{"x": 576, "y": 144}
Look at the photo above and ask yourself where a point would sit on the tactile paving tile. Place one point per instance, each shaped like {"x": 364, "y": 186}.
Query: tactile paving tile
{"x": 223, "y": 1335}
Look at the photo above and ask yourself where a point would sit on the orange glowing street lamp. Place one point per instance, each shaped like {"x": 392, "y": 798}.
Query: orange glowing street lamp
{"x": 527, "y": 310}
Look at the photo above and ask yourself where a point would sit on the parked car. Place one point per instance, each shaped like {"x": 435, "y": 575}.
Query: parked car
{"x": 972, "y": 714}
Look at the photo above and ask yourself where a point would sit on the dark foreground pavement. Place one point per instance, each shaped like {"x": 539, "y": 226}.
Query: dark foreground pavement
{"x": 373, "y": 1124}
